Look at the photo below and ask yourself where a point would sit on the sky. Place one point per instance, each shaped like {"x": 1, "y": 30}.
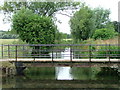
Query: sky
{"x": 64, "y": 25}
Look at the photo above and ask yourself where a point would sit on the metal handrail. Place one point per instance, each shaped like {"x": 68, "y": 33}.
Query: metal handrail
{"x": 27, "y": 50}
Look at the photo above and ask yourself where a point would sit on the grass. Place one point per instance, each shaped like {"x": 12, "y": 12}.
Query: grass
{"x": 7, "y": 64}
{"x": 11, "y": 41}
{"x": 99, "y": 41}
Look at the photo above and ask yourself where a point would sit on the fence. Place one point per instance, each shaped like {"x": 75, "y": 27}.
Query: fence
{"x": 57, "y": 51}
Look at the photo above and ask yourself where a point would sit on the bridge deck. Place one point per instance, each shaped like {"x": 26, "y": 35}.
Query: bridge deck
{"x": 60, "y": 60}
{"x": 37, "y": 62}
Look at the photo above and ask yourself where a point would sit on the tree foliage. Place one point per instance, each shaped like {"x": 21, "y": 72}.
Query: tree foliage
{"x": 82, "y": 24}
{"x": 116, "y": 26}
{"x": 40, "y": 8}
{"x": 101, "y": 18}
{"x": 86, "y": 21}
{"x": 32, "y": 28}
{"x": 104, "y": 33}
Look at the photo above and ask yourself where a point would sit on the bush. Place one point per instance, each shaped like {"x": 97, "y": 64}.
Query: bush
{"x": 104, "y": 33}
{"x": 106, "y": 51}
{"x": 8, "y": 36}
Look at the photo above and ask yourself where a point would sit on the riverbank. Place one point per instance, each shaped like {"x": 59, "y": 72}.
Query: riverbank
{"x": 7, "y": 68}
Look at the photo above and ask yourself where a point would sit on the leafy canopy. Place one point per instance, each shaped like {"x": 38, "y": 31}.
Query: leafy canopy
{"x": 32, "y": 28}
{"x": 104, "y": 33}
{"x": 40, "y": 8}
{"x": 82, "y": 24}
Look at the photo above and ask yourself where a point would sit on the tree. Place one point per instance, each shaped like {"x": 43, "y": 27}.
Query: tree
{"x": 116, "y": 26}
{"x": 101, "y": 18}
{"x": 82, "y": 24}
{"x": 40, "y": 8}
{"x": 34, "y": 29}
{"x": 104, "y": 33}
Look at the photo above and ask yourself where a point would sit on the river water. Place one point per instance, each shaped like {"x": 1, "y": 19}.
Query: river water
{"x": 64, "y": 77}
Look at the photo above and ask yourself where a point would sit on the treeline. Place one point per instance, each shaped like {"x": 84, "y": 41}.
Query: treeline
{"x": 7, "y": 35}
{"x": 93, "y": 23}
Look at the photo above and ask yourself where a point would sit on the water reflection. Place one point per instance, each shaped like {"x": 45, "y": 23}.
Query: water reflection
{"x": 75, "y": 77}
{"x": 63, "y": 73}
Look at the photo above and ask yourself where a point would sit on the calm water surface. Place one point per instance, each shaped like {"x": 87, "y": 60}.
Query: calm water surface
{"x": 63, "y": 77}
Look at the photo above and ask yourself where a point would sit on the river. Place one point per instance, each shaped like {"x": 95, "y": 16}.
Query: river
{"x": 63, "y": 77}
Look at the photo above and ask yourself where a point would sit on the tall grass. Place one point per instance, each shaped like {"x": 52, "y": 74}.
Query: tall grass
{"x": 9, "y": 42}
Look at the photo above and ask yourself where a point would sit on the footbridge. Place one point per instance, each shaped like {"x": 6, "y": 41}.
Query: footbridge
{"x": 79, "y": 55}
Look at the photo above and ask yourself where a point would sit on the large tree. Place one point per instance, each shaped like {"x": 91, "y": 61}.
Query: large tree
{"x": 34, "y": 29}
{"x": 82, "y": 24}
{"x": 40, "y": 8}
{"x": 86, "y": 21}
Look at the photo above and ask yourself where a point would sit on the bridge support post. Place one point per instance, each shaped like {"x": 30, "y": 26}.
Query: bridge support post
{"x": 2, "y": 51}
{"x": 90, "y": 53}
{"x": 19, "y": 68}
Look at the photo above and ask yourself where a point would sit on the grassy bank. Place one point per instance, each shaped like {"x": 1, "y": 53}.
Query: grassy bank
{"x": 99, "y": 41}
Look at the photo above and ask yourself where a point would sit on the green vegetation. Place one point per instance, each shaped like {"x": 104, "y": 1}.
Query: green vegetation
{"x": 32, "y": 28}
{"x": 7, "y": 35}
{"x": 42, "y": 72}
{"x": 34, "y": 23}
{"x": 82, "y": 24}
{"x": 7, "y": 64}
{"x": 85, "y": 73}
{"x": 102, "y": 18}
{"x": 104, "y": 33}
{"x": 92, "y": 23}
{"x": 104, "y": 52}
{"x": 40, "y": 8}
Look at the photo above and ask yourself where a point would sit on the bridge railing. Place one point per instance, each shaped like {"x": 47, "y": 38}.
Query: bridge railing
{"x": 61, "y": 51}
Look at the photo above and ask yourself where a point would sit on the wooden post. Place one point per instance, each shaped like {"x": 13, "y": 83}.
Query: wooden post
{"x": 52, "y": 53}
{"x": 23, "y": 50}
{"x": 8, "y": 51}
{"x": 16, "y": 55}
{"x": 2, "y": 50}
{"x": 109, "y": 52}
{"x": 71, "y": 54}
{"x": 90, "y": 53}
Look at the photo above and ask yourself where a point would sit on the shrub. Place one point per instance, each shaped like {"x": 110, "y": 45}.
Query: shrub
{"x": 104, "y": 33}
{"x": 108, "y": 51}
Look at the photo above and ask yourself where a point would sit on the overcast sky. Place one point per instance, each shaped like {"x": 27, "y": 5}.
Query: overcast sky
{"x": 64, "y": 26}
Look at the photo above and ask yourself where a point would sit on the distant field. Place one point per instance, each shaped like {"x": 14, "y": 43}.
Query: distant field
{"x": 90, "y": 41}
{"x": 10, "y": 41}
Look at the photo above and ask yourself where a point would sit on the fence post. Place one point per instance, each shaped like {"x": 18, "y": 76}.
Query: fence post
{"x": 71, "y": 54}
{"x": 2, "y": 50}
{"x": 8, "y": 51}
{"x": 109, "y": 52}
{"x": 90, "y": 52}
{"x": 52, "y": 53}
{"x": 16, "y": 55}
{"x": 23, "y": 51}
